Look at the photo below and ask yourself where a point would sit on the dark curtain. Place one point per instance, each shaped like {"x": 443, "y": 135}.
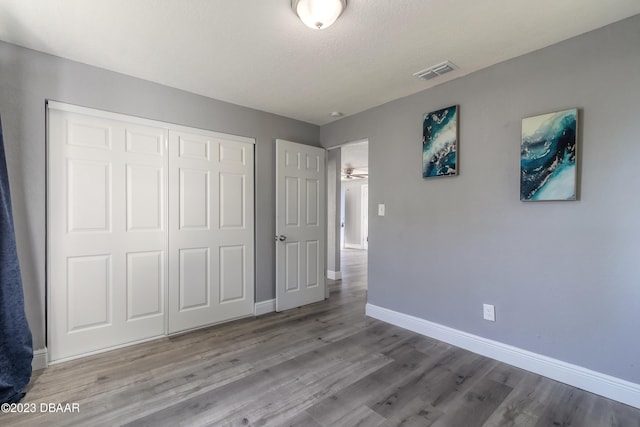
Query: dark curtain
{"x": 16, "y": 350}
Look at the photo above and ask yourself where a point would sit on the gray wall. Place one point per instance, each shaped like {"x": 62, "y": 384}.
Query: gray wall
{"x": 353, "y": 211}
{"x": 563, "y": 276}
{"x": 27, "y": 78}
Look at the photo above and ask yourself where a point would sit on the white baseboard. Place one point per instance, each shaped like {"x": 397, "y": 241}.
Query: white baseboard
{"x": 334, "y": 275}
{"x": 352, "y": 246}
{"x": 264, "y": 307}
{"x": 40, "y": 359}
{"x": 577, "y": 376}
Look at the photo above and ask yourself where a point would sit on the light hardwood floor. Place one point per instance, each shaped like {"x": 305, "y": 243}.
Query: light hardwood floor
{"x": 321, "y": 365}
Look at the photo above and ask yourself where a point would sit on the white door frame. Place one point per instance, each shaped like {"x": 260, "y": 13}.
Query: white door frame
{"x": 364, "y": 212}
{"x": 341, "y": 215}
{"x": 339, "y": 212}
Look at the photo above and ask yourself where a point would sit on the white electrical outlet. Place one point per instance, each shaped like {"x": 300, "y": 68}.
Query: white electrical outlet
{"x": 381, "y": 209}
{"x": 489, "y": 312}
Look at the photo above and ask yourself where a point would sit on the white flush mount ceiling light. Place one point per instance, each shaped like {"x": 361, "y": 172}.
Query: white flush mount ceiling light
{"x": 318, "y": 14}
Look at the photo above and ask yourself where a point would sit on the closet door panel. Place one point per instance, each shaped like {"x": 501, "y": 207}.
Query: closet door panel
{"x": 145, "y": 198}
{"x": 107, "y": 234}
{"x": 211, "y": 239}
{"x": 232, "y": 273}
{"x": 89, "y": 289}
{"x": 235, "y": 246}
{"x": 232, "y": 197}
{"x": 145, "y": 284}
{"x": 145, "y": 239}
{"x": 194, "y": 279}
{"x": 194, "y": 189}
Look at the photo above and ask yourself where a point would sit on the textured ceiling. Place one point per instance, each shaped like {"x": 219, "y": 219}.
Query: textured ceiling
{"x": 256, "y": 53}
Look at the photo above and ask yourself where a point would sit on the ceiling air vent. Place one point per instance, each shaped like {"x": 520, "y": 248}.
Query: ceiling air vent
{"x": 435, "y": 71}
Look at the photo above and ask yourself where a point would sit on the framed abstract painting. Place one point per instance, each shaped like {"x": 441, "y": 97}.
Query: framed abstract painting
{"x": 548, "y": 156}
{"x": 440, "y": 142}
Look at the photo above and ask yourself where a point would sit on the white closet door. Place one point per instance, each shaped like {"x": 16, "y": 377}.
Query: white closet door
{"x": 210, "y": 230}
{"x": 107, "y": 233}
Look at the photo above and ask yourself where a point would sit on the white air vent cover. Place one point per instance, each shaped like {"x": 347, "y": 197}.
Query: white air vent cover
{"x": 435, "y": 71}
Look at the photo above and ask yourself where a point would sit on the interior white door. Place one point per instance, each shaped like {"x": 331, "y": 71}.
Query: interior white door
{"x": 107, "y": 233}
{"x": 300, "y": 224}
{"x": 211, "y": 219}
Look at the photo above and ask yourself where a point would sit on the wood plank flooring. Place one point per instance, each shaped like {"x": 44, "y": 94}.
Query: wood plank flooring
{"x": 321, "y": 365}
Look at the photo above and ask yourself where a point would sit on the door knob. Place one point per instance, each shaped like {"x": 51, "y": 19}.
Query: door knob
{"x": 281, "y": 237}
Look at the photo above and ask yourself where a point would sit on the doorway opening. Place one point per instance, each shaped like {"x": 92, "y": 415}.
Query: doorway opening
{"x": 348, "y": 209}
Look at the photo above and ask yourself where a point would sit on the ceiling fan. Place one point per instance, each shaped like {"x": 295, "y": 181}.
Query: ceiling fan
{"x": 350, "y": 172}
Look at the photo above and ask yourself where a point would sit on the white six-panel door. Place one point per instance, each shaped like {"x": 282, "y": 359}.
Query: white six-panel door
{"x": 107, "y": 233}
{"x": 300, "y": 224}
{"x": 150, "y": 229}
{"x": 211, "y": 230}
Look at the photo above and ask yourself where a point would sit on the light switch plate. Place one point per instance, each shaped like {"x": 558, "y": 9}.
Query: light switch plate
{"x": 381, "y": 209}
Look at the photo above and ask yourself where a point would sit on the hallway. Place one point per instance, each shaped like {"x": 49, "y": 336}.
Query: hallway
{"x": 353, "y": 264}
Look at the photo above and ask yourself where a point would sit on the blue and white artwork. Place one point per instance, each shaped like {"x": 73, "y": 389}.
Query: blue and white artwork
{"x": 440, "y": 143}
{"x": 548, "y": 156}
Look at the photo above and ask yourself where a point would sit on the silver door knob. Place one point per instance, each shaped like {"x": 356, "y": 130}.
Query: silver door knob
{"x": 281, "y": 237}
